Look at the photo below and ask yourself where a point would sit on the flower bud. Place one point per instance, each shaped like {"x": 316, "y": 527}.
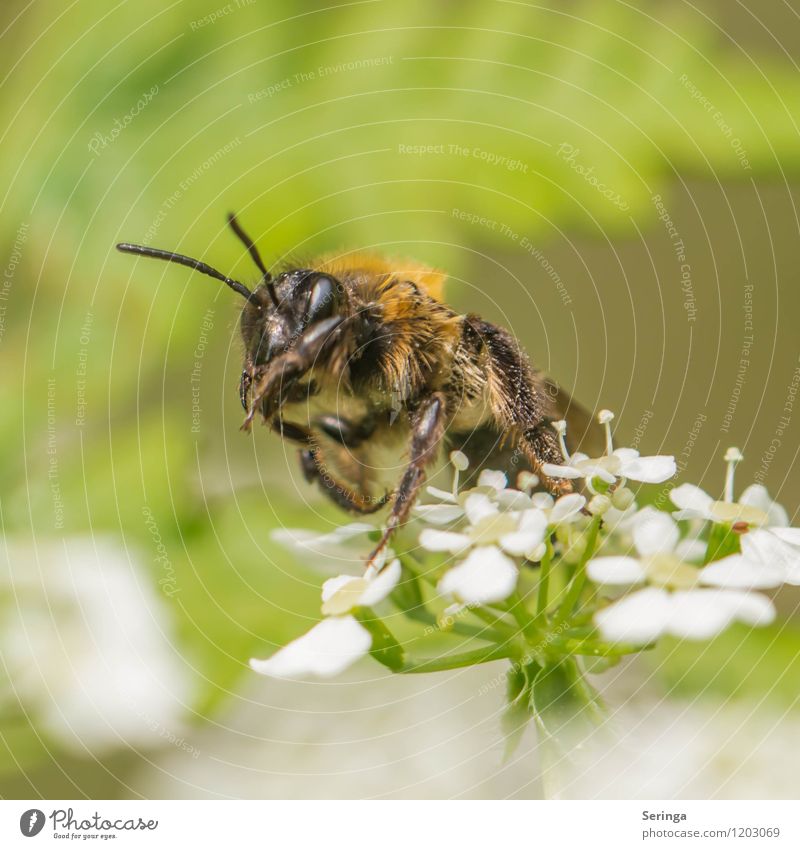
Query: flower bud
{"x": 622, "y": 498}
{"x": 599, "y": 505}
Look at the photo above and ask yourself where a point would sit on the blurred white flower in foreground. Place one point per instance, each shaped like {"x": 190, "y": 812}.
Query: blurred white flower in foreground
{"x": 339, "y": 640}
{"x": 679, "y": 600}
{"x": 86, "y": 645}
{"x": 622, "y": 463}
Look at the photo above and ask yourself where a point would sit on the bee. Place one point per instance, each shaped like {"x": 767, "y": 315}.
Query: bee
{"x": 350, "y": 353}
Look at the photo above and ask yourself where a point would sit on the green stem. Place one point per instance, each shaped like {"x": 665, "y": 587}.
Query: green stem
{"x": 516, "y": 607}
{"x": 544, "y": 580}
{"x": 579, "y": 578}
{"x": 456, "y": 661}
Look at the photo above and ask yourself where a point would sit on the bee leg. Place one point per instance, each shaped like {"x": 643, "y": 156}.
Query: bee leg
{"x": 312, "y": 463}
{"x": 427, "y": 430}
{"x": 519, "y": 401}
{"x": 344, "y": 496}
{"x": 285, "y": 369}
{"x": 540, "y": 445}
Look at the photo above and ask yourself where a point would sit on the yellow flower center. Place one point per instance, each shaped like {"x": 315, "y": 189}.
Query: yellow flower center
{"x": 666, "y": 570}
{"x": 730, "y": 511}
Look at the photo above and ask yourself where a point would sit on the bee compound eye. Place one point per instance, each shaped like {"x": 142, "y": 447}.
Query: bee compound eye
{"x": 322, "y": 299}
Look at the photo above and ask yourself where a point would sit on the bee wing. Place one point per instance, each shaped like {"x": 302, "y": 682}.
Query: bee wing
{"x": 584, "y": 433}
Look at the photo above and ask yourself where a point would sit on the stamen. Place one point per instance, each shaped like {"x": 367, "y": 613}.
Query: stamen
{"x": 460, "y": 463}
{"x": 732, "y": 457}
{"x": 605, "y": 417}
{"x": 560, "y": 427}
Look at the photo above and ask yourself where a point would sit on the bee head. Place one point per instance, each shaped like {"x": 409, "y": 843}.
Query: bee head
{"x": 304, "y": 297}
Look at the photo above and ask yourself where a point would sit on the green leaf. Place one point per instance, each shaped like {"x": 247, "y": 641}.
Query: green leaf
{"x": 517, "y": 713}
{"x": 407, "y": 596}
{"x": 564, "y": 706}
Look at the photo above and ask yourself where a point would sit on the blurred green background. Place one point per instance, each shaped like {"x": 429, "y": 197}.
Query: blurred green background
{"x": 617, "y": 183}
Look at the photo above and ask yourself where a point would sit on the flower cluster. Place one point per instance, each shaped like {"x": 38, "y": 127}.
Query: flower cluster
{"x": 512, "y": 572}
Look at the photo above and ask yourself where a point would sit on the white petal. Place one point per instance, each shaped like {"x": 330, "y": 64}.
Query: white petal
{"x": 554, "y": 471}
{"x": 441, "y": 494}
{"x": 326, "y": 650}
{"x": 692, "y": 501}
{"x": 591, "y": 469}
{"x": 566, "y": 507}
{"x": 450, "y": 541}
{"x": 528, "y": 537}
{"x": 478, "y": 506}
{"x": 654, "y": 469}
{"x": 495, "y": 480}
{"x": 738, "y": 572}
{"x": 701, "y": 614}
{"x": 513, "y": 499}
{"x": 333, "y": 585}
{"x": 381, "y": 585}
{"x": 626, "y": 455}
{"x": 655, "y": 532}
{"x": 485, "y": 576}
{"x": 542, "y": 500}
{"x": 764, "y": 548}
{"x": 691, "y": 549}
{"x": 533, "y": 519}
{"x": 790, "y": 535}
{"x": 615, "y": 570}
{"x": 640, "y": 617}
{"x": 438, "y": 514}
{"x": 757, "y": 496}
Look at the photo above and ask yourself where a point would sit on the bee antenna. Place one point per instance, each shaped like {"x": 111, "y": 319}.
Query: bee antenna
{"x": 253, "y": 251}
{"x": 189, "y": 262}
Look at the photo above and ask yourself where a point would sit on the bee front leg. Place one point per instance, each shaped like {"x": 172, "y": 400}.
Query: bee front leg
{"x": 312, "y": 463}
{"x": 427, "y": 430}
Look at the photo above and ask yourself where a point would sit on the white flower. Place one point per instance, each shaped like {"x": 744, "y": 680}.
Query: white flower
{"x": 338, "y": 641}
{"x": 768, "y": 544}
{"x": 517, "y": 533}
{"x": 767, "y": 552}
{"x": 326, "y": 650}
{"x": 622, "y": 463}
{"x": 344, "y": 592}
{"x": 485, "y": 576}
{"x": 343, "y": 547}
{"x": 677, "y": 602}
{"x": 493, "y": 485}
{"x": 88, "y": 645}
{"x": 698, "y": 614}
